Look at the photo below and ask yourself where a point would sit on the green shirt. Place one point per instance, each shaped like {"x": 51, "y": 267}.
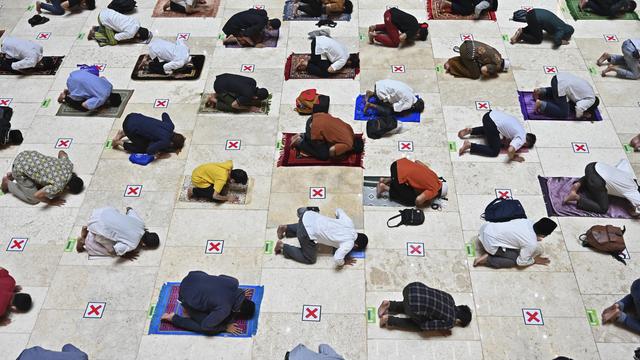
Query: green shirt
{"x": 49, "y": 173}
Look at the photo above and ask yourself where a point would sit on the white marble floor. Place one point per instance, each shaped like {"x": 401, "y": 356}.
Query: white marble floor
{"x": 63, "y": 282}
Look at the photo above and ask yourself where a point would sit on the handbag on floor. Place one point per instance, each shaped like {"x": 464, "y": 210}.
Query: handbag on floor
{"x": 607, "y": 239}
{"x": 408, "y": 217}
{"x": 503, "y": 210}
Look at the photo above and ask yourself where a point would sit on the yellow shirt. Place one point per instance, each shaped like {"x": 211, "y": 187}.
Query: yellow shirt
{"x": 215, "y": 174}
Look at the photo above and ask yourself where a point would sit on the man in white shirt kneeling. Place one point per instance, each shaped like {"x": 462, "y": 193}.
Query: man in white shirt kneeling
{"x": 110, "y": 233}
{"x": 18, "y": 55}
{"x": 313, "y": 228}
{"x": 117, "y": 28}
{"x": 328, "y": 57}
{"x": 513, "y": 243}
{"x": 167, "y": 57}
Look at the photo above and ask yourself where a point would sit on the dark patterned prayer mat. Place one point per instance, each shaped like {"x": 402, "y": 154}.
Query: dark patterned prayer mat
{"x": 38, "y": 69}
{"x": 110, "y": 112}
{"x": 203, "y": 109}
{"x": 288, "y": 15}
{"x": 210, "y": 9}
{"x": 290, "y": 156}
{"x": 577, "y": 14}
{"x": 269, "y": 39}
{"x": 434, "y": 13}
{"x": 291, "y": 72}
{"x": 239, "y": 190}
{"x": 168, "y": 303}
{"x": 140, "y": 71}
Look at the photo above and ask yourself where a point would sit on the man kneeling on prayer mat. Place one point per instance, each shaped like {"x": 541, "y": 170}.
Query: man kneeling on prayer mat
{"x": 18, "y": 55}
{"x": 513, "y": 243}
{"x": 86, "y": 91}
{"x": 476, "y": 60}
{"x": 236, "y": 93}
{"x": 117, "y": 28}
{"x": 167, "y": 57}
{"x": 210, "y": 181}
{"x": 184, "y": 6}
{"x": 327, "y": 137}
{"x": 210, "y": 304}
{"x": 246, "y": 27}
{"x": 395, "y": 97}
{"x": 412, "y": 184}
{"x": 110, "y": 233}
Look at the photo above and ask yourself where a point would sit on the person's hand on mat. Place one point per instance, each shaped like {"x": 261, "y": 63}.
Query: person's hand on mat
{"x": 62, "y": 95}
{"x": 255, "y": 109}
{"x": 402, "y": 37}
{"x": 5, "y": 321}
{"x": 517, "y": 158}
{"x": 234, "y": 199}
{"x": 17, "y": 288}
{"x": 167, "y": 317}
{"x": 131, "y": 255}
{"x": 162, "y": 155}
{"x": 348, "y": 260}
{"x": 233, "y": 329}
{"x": 10, "y": 175}
{"x": 57, "y": 201}
{"x": 541, "y": 260}
{"x": 384, "y": 320}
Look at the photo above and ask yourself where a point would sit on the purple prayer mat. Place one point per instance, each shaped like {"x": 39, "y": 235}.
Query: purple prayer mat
{"x": 528, "y": 104}
{"x": 554, "y": 190}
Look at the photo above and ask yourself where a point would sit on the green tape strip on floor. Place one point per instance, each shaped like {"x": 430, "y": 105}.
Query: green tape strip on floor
{"x": 439, "y": 68}
{"x": 371, "y": 315}
{"x": 628, "y": 148}
{"x": 45, "y": 103}
{"x": 30, "y": 7}
{"x": 362, "y": 37}
{"x": 505, "y": 37}
{"x": 220, "y": 36}
{"x": 592, "y": 316}
{"x": 593, "y": 70}
{"x": 80, "y": 36}
{"x": 108, "y": 144}
{"x": 70, "y": 244}
{"x": 152, "y": 309}
{"x": 279, "y": 145}
{"x": 268, "y": 247}
{"x": 452, "y": 146}
{"x": 470, "y": 248}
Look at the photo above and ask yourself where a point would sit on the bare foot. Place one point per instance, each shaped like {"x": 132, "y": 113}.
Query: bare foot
{"x": 573, "y": 196}
{"x": 565, "y": 42}
{"x": 5, "y": 184}
{"x": 608, "y": 313}
{"x": 38, "y": 7}
{"x": 189, "y": 193}
{"x": 604, "y": 57}
{"x": 279, "y": 247}
{"x": 465, "y": 147}
{"x": 607, "y": 70}
{"x": 80, "y": 245}
{"x": 516, "y": 37}
{"x": 384, "y": 320}
{"x": 538, "y": 107}
{"x": 464, "y": 132}
{"x": 282, "y": 230}
{"x": 372, "y": 35}
{"x": 384, "y": 307}
{"x": 479, "y": 261}
{"x": 536, "y": 94}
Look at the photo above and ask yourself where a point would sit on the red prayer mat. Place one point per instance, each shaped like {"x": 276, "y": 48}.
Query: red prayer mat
{"x": 290, "y": 156}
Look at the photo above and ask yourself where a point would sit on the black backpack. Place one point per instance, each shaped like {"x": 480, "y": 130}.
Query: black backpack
{"x": 348, "y": 7}
{"x": 123, "y": 6}
{"x": 376, "y": 128}
{"x": 408, "y": 217}
{"x": 5, "y": 114}
{"x": 503, "y": 210}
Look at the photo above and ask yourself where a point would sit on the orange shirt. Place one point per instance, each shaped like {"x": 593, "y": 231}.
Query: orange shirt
{"x": 419, "y": 177}
{"x": 332, "y": 130}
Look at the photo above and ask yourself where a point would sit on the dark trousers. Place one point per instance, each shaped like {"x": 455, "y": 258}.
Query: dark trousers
{"x": 307, "y": 253}
{"x": 75, "y": 104}
{"x": 5, "y": 64}
{"x": 462, "y": 7}
{"x": 177, "y": 7}
{"x": 631, "y": 304}
{"x": 157, "y": 67}
{"x": 311, "y": 7}
{"x": 554, "y": 105}
{"x": 503, "y": 258}
{"x": 599, "y": 8}
{"x": 207, "y": 193}
{"x": 136, "y": 144}
{"x": 54, "y": 8}
{"x": 402, "y": 307}
{"x": 490, "y": 132}
{"x": 593, "y": 192}
{"x": 316, "y": 66}
{"x": 313, "y": 148}
{"x": 532, "y": 34}
{"x": 401, "y": 193}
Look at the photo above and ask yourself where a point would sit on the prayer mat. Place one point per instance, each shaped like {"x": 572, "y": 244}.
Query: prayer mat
{"x": 294, "y": 60}
{"x": 372, "y": 114}
{"x": 168, "y": 303}
{"x": 434, "y": 13}
{"x": 288, "y": 15}
{"x": 290, "y": 156}
{"x": 555, "y": 189}
{"x": 140, "y": 71}
{"x": 577, "y": 14}
{"x": 110, "y": 112}
{"x": 210, "y": 9}
{"x": 269, "y": 39}
{"x": 38, "y": 69}
{"x": 202, "y": 109}
{"x": 370, "y": 193}
{"x": 527, "y": 107}
{"x": 239, "y": 190}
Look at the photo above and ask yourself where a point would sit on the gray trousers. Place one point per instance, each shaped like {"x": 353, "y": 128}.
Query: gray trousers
{"x": 307, "y": 253}
{"x": 504, "y": 258}
{"x": 24, "y": 189}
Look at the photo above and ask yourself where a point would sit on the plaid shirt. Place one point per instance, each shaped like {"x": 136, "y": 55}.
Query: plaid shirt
{"x": 52, "y": 174}
{"x": 432, "y": 309}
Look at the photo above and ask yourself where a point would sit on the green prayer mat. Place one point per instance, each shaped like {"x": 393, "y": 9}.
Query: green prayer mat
{"x": 111, "y": 112}
{"x": 577, "y": 14}
{"x": 264, "y": 106}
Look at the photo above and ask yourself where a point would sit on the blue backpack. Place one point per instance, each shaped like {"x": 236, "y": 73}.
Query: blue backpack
{"x": 503, "y": 210}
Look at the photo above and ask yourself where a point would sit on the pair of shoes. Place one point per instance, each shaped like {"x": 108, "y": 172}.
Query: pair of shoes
{"x": 326, "y": 22}
{"x": 37, "y": 20}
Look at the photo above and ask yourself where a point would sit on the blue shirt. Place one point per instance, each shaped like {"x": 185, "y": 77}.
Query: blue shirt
{"x": 157, "y": 132}
{"x": 84, "y": 86}
{"x": 69, "y": 352}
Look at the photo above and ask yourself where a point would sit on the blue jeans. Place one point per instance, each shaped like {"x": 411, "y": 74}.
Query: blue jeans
{"x": 630, "y": 302}
{"x": 55, "y": 7}
{"x": 629, "y": 66}
{"x": 553, "y": 105}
